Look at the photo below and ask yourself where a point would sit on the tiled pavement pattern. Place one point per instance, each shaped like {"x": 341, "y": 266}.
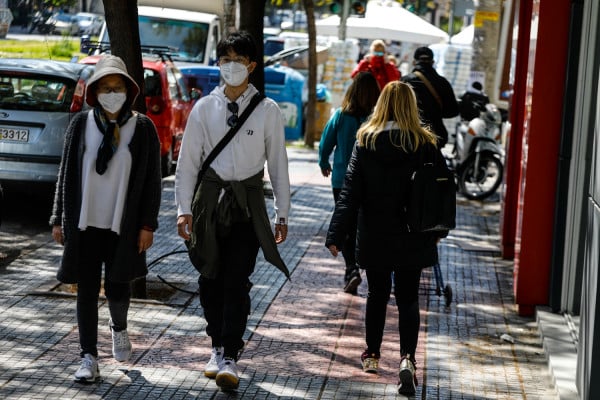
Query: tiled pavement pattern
{"x": 304, "y": 336}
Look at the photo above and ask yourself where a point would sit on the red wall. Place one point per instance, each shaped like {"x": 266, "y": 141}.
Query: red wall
{"x": 545, "y": 80}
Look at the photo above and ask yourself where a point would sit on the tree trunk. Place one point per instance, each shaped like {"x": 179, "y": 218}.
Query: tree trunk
{"x": 251, "y": 20}
{"x": 123, "y": 30}
{"x": 309, "y": 133}
{"x": 485, "y": 42}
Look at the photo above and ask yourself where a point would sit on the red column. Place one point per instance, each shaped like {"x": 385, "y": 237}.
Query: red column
{"x": 508, "y": 221}
{"x": 540, "y": 147}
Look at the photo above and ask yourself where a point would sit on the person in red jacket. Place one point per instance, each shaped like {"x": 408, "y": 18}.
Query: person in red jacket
{"x": 377, "y": 63}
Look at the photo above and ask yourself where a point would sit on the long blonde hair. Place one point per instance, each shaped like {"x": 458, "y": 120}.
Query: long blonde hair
{"x": 398, "y": 103}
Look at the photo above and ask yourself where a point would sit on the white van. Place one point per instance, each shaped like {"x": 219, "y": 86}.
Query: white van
{"x": 190, "y": 36}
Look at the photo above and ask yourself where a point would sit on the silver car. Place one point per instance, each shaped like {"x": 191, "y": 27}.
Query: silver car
{"x": 38, "y": 99}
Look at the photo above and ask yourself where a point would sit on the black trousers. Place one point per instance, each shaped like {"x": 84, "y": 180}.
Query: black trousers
{"x": 97, "y": 247}
{"x": 226, "y": 299}
{"x": 406, "y": 292}
{"x": 349, "y": 249}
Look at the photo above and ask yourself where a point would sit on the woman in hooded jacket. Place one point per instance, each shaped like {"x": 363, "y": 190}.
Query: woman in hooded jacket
{"x": 377, "y": 182}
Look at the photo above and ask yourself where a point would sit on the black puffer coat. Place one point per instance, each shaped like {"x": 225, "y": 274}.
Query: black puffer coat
{"x": 376, "y": 187}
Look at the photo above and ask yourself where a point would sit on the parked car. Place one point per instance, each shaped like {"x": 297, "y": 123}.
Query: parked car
{"x": 88, "y": 23}
{"x": 168, "y": 102}
{"x": 38, "y": 99}
{"x": 63, "y": 24}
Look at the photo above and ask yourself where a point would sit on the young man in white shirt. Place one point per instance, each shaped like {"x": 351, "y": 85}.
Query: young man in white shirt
{"x": 224, "y": 220}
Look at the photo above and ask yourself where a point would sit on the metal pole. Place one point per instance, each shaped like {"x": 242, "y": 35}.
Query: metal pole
{"x": 451, "y": 21}
{"x": 343, "y": 18}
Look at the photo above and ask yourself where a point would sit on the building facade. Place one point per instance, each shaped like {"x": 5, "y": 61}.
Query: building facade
{"x": 551, "y": 219}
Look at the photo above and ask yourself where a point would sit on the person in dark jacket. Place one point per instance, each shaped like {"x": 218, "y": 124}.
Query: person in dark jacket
{"x": 375, "y": 189}
{"x": 106, "y": 206}
{"x": 435, "y": 102}
{"x": 340, "y": 134}
{"x": 473, "y": 101}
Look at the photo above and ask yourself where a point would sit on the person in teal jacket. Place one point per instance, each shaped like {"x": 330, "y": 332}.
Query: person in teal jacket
{"x": 339, "y": 137}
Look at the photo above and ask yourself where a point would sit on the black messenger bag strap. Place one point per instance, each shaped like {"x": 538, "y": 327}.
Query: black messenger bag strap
{"x": 258, "y": 97}
{"x": 429, "y": 87}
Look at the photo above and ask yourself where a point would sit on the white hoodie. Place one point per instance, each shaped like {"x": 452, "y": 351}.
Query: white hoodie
{"x": 260, "y": 139}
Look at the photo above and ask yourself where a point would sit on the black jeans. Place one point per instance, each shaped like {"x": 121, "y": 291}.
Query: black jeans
{"x": 226, "y": 299}
{"x": 349, "y": 249}
{"x": 406, "y": 292}
{"x": 98, "y": 247}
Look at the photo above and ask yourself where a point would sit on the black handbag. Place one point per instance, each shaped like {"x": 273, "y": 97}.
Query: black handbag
{"x": 431, "y": 205}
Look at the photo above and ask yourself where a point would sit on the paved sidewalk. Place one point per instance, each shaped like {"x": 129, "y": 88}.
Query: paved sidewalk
{"x": 304, "y": 336}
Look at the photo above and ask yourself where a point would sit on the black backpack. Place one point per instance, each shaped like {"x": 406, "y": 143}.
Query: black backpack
{"x": 431, "y": 205}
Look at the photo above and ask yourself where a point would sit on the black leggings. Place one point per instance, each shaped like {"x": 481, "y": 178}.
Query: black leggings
{"x": 98, "y": 247}
{"x": 406, "y": 292}
{"x": 349, "y": 249}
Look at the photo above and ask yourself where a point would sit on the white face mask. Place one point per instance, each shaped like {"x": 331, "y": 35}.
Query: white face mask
{"x": 112, "y": 102}
{"x": 234, "y": 73}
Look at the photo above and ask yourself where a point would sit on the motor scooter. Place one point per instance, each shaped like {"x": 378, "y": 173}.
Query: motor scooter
{"x": 477, "y": 157}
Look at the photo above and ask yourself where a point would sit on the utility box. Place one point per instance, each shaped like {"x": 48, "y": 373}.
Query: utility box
{"x": 200, "y": 77}
{"x": 323, "y": 108}
{"x": 284, "y": 85}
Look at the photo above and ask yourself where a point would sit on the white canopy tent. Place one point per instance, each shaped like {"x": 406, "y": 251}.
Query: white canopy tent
{"x": 465, "y": 36}
{"x": 387, "y": 21}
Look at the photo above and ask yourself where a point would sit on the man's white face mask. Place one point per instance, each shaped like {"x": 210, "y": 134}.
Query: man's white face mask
{"x": 234, "y": 73}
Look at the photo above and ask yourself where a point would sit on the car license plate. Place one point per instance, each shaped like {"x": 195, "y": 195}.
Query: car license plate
{"x": 16, "y": 134}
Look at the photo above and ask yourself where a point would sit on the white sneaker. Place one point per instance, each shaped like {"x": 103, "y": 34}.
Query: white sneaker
{"x": 228, "y": 376}
{"x": 88, "y": 372}
{"x": 121, "y": 347}
{"x": 212, "y": 366}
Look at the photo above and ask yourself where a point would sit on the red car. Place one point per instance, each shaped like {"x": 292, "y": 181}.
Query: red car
{"x": 168, "y": 104}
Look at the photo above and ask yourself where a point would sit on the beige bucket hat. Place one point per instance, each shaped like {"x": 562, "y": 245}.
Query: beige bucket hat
{"x": 109, "y": 65}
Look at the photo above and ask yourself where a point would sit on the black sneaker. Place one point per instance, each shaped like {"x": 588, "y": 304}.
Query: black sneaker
{"x": 407, "y": 384}
{"x": 352, "y": 282}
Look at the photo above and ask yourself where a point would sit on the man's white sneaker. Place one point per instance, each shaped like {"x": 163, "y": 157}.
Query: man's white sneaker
{"x": 228, "y": 376}
{"x": 212, "y": 366}
{"x": 121, "y": 347}
{"x": 88, "y": 372}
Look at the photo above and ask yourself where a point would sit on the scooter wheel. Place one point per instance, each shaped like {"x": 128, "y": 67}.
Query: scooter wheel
{"x": 480, "y": 183}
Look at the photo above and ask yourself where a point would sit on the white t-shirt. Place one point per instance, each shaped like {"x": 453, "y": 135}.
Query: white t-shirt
{"x": 103, "y": 196}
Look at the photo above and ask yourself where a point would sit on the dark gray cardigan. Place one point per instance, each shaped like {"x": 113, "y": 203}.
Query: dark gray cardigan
{"x": 141, "y": 205}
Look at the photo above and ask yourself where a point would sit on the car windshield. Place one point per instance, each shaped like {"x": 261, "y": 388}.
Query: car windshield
{"x": 35, "y": 93}
{"x": 187, "y": 40}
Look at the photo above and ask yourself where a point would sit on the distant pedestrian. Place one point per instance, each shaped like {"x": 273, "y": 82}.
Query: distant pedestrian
{"x": 106, "y": 206}
{"x": 473, "y": 101}
{"x": 434, "y": 93}
{"x": 377, "y": 63}
{"x": 376, "y": 187}
{"x": 224, "y": 219}
{"x": 339, "y": 136}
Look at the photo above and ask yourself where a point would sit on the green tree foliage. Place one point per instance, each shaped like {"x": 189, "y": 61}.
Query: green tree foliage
{"x": 60, "y": 3}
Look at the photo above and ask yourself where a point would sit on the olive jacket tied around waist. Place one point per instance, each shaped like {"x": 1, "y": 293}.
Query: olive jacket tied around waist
{"x": 217, "y": 204}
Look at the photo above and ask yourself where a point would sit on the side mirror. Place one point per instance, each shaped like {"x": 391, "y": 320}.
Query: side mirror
{"x": 195, "y": 94}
